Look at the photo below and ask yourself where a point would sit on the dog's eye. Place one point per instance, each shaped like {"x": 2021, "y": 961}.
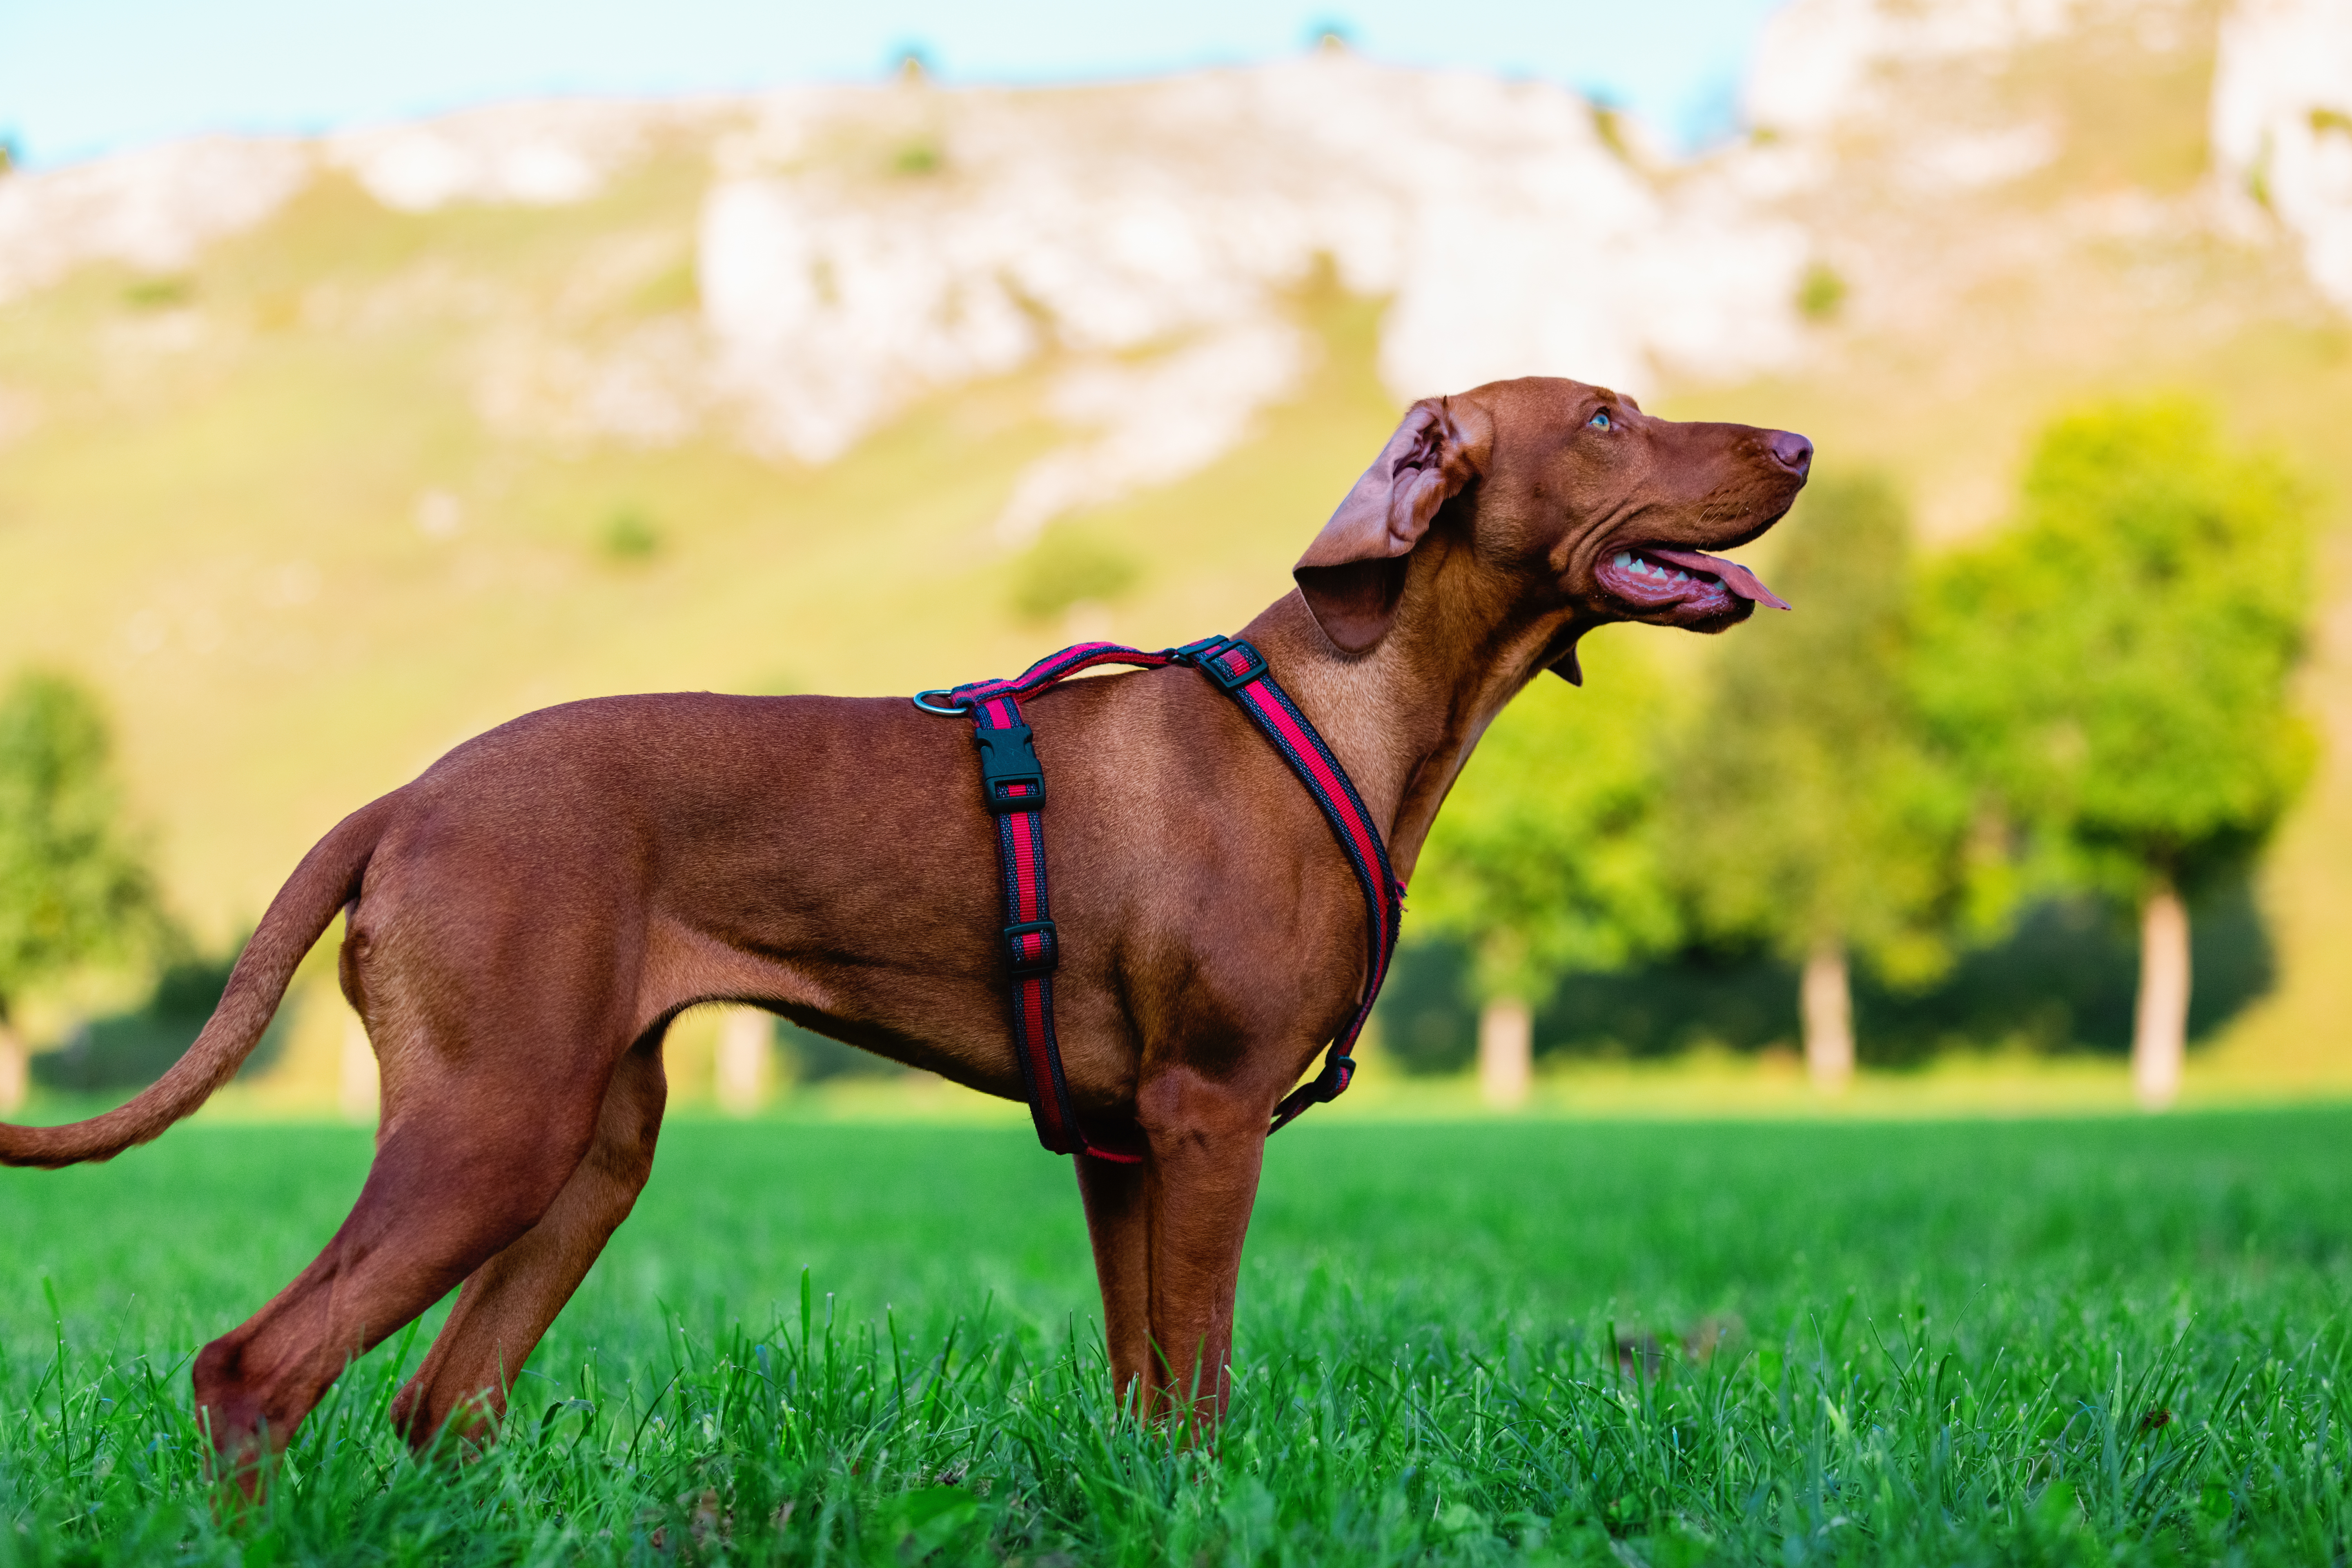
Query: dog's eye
{"x": 1600, "y": 421}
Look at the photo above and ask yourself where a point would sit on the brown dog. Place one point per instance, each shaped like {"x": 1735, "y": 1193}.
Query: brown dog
{"x": 524, "y": 921}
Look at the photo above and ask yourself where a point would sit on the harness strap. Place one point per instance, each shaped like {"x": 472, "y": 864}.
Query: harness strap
{"x": 1013, "y": 786}
{"x": 1241, "y": 670}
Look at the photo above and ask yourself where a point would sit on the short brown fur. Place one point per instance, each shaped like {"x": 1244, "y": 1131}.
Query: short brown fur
{"x": 525, "y": 918}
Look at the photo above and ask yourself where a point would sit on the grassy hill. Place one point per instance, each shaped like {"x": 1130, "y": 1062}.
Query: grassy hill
{"x": 262, "y": 502}
{"x": 226, "y": 537}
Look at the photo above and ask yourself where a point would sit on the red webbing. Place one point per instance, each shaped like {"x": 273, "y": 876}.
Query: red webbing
{"x": 994, "y": 706}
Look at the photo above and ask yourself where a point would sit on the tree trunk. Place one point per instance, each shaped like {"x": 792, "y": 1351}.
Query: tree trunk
{"x": 16, "y": 1070}
{"x": 747, "y": 1041}
{"x": 1827, "y": 1001}
{"x": 1505, "y": 1052}
{"x": 2160, "y": 1027}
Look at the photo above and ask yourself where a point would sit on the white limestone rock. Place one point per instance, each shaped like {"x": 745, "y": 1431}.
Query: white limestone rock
{"x": 548, "y": 154}
{"x": 1509, "y": 236}
{"x": 2281, "y": 125}
{"x": 154, "y": 209}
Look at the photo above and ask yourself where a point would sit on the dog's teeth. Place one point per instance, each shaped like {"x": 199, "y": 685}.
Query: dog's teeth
{"x": 1624, "y": 558}
{"x": 1682, "y": 576}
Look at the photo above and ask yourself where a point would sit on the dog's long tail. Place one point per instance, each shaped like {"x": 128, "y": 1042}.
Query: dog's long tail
{"x": 327, "y": 878}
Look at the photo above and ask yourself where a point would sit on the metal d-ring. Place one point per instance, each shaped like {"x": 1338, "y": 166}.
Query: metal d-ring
{"x": 953, "y": 710}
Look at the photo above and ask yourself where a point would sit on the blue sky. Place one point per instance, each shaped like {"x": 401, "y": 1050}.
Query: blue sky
{"x": 79, "y": 77}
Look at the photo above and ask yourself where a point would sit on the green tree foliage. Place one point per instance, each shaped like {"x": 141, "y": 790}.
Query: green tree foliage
{"x": 73, "y": 886}
{"x": 1546, "y": 857}
{"x": 1068, "y": 564}
{"x": 2115, "y": 670}
{"x": 1807, "y": 811}
{"x": 2114, "y": 667}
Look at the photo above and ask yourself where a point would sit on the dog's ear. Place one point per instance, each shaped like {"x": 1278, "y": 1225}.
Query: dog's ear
{"x": 1350, "y": 576}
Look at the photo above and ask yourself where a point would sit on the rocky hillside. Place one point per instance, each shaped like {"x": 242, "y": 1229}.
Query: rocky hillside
{"x": 319, "y": 456}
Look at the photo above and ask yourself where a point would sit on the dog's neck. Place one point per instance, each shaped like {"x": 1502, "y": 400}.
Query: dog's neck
{"x": 1403, "y": 719}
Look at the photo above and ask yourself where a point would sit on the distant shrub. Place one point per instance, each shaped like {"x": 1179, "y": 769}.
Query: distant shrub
{"x": 131, "y": 1049}
{"x": 2059, "y": 983}
{"x": 157, "y": 294}
{"x": 1428, "y": 1017}
{"x": 815, "y": 1058}
{"x": 919, "y": 157}
{"x": 1067, "y": 566}
{"x": 1819, "y": 292}
{"x": 1609, "y": 125}
{"x": 629, "y": 536}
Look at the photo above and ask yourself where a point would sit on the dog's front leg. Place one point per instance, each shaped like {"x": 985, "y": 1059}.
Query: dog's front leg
{"x": 1206, "y": 1140}
{"x": 1119, "y": 1222}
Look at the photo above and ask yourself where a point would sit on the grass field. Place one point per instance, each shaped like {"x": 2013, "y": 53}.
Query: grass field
{"x": 1622, "y": 1341}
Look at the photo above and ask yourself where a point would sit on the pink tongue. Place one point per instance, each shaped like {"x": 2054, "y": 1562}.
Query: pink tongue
{"x": 1736, "y": 577}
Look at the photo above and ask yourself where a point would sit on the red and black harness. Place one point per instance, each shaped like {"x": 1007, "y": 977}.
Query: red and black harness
{"x": 1014, "y": 788}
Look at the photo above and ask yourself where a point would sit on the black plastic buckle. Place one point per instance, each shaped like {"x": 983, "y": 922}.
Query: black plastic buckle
{"x": 1214, "y": 664}
{"x": 1049, "y": 954}
{"x": 1008, "y": 756}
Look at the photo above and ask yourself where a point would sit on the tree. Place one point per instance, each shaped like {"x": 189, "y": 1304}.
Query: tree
{"x": 73, "y": 890}
{"x": 1807, "y": 811}
{"x": 1546, "y": 858}
{"x": 2114, "y": 667}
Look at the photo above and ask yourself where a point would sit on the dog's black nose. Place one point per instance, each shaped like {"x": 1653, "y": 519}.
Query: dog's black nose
{"x": 1793, "y": 451}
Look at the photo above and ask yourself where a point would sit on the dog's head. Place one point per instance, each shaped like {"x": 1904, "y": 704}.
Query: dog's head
{"x": 1589, "y": 508}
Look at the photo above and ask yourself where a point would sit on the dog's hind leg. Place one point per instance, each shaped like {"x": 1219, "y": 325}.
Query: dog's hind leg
{"x": 467, "y": 1164}
{"x": 506, "y": 1303}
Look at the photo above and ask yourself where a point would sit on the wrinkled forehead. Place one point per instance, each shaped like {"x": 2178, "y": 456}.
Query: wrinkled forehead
{"x": 1545, "y": 409}
{"x": 1536, "y": 396}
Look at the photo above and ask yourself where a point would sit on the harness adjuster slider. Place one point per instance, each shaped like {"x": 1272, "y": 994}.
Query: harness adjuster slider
{"x": 1034, "y": 947}
{"x": 1008, "y": 761}
{"x": 1234, "y": 666}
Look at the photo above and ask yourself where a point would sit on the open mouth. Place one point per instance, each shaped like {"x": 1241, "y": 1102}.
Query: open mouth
{"x": 1655, "y": 580}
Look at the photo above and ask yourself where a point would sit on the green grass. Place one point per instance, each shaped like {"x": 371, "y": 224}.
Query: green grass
{"x": 2063, "y": 1342}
